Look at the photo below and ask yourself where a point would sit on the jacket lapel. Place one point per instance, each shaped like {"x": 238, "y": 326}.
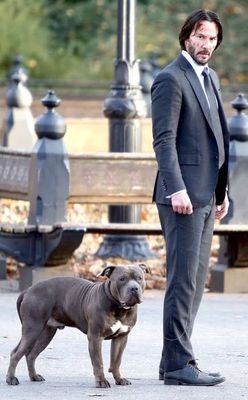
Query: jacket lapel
{"x": 196, "y": 87}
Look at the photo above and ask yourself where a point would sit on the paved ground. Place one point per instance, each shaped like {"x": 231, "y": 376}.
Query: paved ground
{"x": 220, "y": 341}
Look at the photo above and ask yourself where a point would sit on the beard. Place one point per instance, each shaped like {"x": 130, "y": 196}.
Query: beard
{"x": 197, "y": 56}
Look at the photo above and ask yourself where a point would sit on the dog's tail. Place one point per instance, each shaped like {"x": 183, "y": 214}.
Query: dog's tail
{"x": 19, "y": 302}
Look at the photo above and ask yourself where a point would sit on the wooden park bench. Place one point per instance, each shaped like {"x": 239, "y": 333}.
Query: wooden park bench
{"x": 103, "y": 178}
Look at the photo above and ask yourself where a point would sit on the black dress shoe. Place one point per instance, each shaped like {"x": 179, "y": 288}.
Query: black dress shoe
{"x": 191, "y": 376}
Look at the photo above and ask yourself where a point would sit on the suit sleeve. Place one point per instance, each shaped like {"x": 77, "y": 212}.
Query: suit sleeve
{"x": 166, "y": 97}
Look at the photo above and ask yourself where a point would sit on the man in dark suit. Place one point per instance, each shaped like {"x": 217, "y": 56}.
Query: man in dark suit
{"x": 191, "y": 147}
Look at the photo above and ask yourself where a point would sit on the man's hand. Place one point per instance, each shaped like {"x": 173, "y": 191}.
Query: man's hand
{"x": 222, "y": 210}
{"x": 181, "y": 203}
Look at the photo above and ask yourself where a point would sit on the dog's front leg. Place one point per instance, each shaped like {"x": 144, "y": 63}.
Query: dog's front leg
{"x": 118, "y": 345}
{"x": 95, "y": 350}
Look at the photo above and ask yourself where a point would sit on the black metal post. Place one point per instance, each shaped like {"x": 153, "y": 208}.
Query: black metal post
{"x": 233, "y": 250}
{"x": 124, "y": 108}
{"x": 238, "y": 159}
{"x": 238, "y": 162}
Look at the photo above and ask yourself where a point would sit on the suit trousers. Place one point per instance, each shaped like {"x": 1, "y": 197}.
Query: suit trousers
{"x": 188, "y": 245}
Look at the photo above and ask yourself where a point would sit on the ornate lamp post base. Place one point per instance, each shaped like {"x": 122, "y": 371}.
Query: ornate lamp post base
{"x": 128, "y": 247}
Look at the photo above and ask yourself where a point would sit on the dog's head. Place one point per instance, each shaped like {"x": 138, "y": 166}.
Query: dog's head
{"x": 127, "y": 282}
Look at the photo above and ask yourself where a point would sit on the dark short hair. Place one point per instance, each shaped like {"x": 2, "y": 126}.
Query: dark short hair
{"x": 194, "y": 20}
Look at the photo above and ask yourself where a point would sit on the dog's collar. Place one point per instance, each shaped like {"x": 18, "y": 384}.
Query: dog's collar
{"x": 112, "y": 298}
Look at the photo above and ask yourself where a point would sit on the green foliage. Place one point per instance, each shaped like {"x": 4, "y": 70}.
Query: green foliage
{"x": 23, "y": 31}
{"x": 76, "y": 39}
{"x": 159, "y": 23}
{"x": 86, "y": 32}
{"x": 232, "y": 60}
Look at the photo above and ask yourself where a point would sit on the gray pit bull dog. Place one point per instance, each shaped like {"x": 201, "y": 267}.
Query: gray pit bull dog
{"x": 101, "y": 310}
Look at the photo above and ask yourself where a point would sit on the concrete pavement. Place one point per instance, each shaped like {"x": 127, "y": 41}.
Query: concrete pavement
{"x": 220, "y": 342}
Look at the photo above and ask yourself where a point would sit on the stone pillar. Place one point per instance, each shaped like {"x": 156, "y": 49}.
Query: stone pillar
{"x": 49, "y": 170}
{"x": 146, "y": 81}
{"x": 18, "y": 127}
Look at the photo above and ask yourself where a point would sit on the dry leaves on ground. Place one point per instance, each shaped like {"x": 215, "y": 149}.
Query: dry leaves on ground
{"x": 84, "y": 262}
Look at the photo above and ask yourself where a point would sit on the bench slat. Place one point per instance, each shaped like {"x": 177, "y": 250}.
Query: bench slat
{"x": 154, "y": 229}
{"x": 118, "y": 228}
{"x": 106, "y": 178}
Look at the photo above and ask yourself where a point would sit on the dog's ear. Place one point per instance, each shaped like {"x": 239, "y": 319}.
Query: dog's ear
{"x": 107, "y": 271}
{"x": 145, "y": 268}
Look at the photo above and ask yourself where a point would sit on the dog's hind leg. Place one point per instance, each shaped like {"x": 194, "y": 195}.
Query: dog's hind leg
{"x": 41, "y": 343}
{"x": 29, "y": 337}
{"x": 11, "y": 378}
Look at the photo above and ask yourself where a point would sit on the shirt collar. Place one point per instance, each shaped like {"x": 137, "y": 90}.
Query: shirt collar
{"x": 197, "y": 68}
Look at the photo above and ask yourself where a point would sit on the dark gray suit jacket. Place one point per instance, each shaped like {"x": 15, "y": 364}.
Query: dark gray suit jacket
{"x": 183, "y": 136}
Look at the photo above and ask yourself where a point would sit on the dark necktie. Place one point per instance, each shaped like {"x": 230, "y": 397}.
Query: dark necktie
{"x": 214, "y": 114}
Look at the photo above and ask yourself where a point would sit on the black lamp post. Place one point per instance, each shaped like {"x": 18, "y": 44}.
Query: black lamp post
{"x": 124, "y": 108}
{"x": 233, "y": 253}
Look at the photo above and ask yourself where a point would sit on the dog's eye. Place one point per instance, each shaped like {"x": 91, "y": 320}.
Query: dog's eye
{"x": 123, "y": 278}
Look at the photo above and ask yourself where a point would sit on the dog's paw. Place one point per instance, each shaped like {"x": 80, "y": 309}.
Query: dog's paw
{"x": 37, "y": 378}
{"x": 122, "y": 382}
{"x": 12, "y": 380}
{"x": 103, "y": 384}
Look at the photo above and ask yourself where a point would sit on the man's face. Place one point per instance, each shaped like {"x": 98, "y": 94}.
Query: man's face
{"x": 202, "y": 42}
